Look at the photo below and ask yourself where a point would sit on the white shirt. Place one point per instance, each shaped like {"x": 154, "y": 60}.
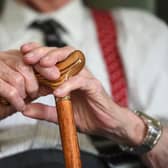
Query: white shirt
{"x": 142, "y": 40}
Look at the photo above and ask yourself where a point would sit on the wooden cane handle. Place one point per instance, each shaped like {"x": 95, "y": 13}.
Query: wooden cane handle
{"x": 71, "y": 66}
{"x": 68, "y": 132}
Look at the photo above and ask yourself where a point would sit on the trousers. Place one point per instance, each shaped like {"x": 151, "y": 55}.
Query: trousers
{"x": 53, "y": 158}
{"x": 47, "y": 158}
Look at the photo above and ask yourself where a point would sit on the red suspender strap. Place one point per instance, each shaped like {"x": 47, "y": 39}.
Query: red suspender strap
{"x": 107, "y": 36}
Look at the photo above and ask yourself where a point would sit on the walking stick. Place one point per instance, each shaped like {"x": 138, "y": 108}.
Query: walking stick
{"x": 71, "y": 66}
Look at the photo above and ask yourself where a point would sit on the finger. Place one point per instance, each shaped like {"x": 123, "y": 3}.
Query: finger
{"x": 29, "y": 46}
{"x": 81, "y": 81}
{"x": 15, "y": 62}
{"x": 34, "y": 56}
{"x": 72, "y": 84}
{"x": 40, "y": 111}
{"x": 56, "y": 55}
{"x": 14, "y": 78}
{"x": 84, "y": 81}
{"x": 30, "y": 82}
{"x": 11, "y": 95}
{"x": 50, "y": 73}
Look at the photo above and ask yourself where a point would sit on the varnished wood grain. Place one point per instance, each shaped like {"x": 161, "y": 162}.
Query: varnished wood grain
{"x": 68, "y": 133}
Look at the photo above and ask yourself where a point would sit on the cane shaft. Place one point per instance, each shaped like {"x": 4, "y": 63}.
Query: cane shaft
{"x": 68, "y": 133}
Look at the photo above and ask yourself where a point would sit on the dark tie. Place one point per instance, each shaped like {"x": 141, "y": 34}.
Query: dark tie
{"x": 51, "y": 32}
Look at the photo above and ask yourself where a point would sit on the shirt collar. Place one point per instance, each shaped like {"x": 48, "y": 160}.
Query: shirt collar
{"x": 17, "y": 17}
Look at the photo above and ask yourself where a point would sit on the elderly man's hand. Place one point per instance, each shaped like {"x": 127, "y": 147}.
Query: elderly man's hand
{"x": 18, "y": 83}
{"x": 95, "y": 112}
{"x": 17, "y": 80}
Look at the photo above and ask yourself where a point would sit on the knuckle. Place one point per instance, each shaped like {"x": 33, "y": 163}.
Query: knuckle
{"x": 33, "y": 90}
{"x": 97, "y": 86}
{"x": 18, "y": 63}
{"x": 53, "y": 54}
{"x": 82, "y": 80}
{"x": 24, "y": 68}
{"x": 18, "y": 79}
{"x": 79, "y": 80}
{"x": 13, "y": 93}
{"x": 11, "y": 60}
{"x": 69, "y": 48}
{"x": 54, "y": 50}
{"x": 39, "y": 50}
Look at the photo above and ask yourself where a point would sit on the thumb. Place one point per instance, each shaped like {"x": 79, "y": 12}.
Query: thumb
{"x": 41, "y": 111}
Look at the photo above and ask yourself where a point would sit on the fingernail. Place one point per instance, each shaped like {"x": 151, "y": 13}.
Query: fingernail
{"x": 25, "y": 47}
{"x": 26, "y": 111}
{"x": 29, "y": 55}
{"x": 54, "y": 75}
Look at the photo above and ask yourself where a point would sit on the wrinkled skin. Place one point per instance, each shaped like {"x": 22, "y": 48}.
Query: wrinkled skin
{"x": 95, "y": 112}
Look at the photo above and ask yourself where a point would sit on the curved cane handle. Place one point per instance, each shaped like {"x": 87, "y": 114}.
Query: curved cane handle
{"x": 71, "y": 66}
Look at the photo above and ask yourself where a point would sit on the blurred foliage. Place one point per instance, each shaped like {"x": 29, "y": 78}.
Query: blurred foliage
{"x": 106, "y": 4}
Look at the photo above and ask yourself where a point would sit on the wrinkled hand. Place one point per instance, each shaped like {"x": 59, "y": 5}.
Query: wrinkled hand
{"x": 17, "y": 80}
{"x": 95, "y": 112}
{"x": 18, "y": 83}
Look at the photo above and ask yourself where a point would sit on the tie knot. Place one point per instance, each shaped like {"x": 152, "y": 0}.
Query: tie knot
{"x": 51, "y": 30}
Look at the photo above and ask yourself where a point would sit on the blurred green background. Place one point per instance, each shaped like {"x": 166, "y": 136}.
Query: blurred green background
{"x": 144, "y": 4}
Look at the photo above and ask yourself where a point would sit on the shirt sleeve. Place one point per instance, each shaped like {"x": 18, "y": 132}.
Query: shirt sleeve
{"x": 143, "y": 45}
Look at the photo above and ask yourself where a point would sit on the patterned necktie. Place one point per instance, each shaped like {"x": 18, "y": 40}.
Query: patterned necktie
{"x": 51, "y": 32}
